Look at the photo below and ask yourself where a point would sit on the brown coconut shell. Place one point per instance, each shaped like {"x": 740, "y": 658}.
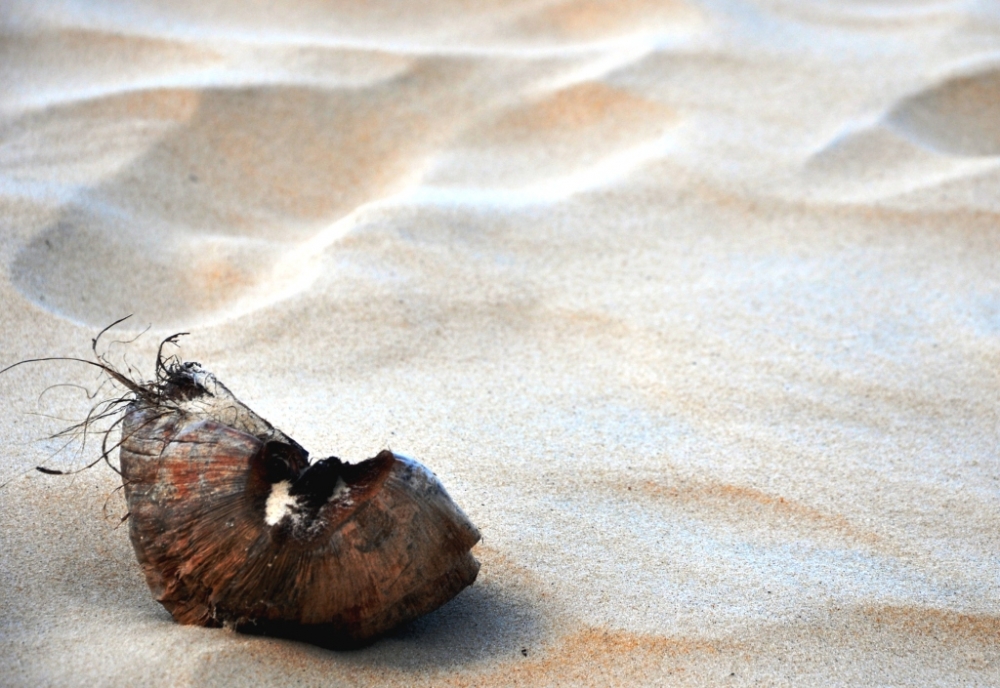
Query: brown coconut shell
{"x": 233, "y": 525}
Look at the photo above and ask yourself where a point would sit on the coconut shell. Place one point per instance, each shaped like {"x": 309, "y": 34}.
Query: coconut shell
{"x": 233, "y": 525}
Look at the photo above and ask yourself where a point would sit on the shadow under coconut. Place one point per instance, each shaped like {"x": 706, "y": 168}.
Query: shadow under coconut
{"x": 483, "y": 622}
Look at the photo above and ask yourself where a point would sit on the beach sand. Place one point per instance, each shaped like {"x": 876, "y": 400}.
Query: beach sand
{"x": 692, "y": 305}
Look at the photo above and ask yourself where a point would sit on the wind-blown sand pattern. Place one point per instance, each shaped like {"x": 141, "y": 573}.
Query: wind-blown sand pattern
{"x": 694, "y": 307}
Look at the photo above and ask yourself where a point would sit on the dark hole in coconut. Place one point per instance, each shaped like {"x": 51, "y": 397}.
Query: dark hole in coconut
{"x": 283, "y": 461}
{"x": 317, "y": 483}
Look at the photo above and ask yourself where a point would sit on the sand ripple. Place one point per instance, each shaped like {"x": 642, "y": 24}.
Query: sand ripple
{"x": 943, "y": 133}
{"x": 222, "y": 197}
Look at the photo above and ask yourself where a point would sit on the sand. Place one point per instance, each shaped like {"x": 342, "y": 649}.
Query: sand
{"x": 693, "y": 306}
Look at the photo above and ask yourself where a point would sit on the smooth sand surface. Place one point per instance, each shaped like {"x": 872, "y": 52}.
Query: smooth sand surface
{"x": 693, "y": 306}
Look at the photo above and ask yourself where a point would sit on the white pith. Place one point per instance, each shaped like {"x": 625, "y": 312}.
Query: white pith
{"x": 279, "y": 502}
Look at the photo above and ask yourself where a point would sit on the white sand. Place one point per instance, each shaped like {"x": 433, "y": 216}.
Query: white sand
{"x": 694, "y": 307}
